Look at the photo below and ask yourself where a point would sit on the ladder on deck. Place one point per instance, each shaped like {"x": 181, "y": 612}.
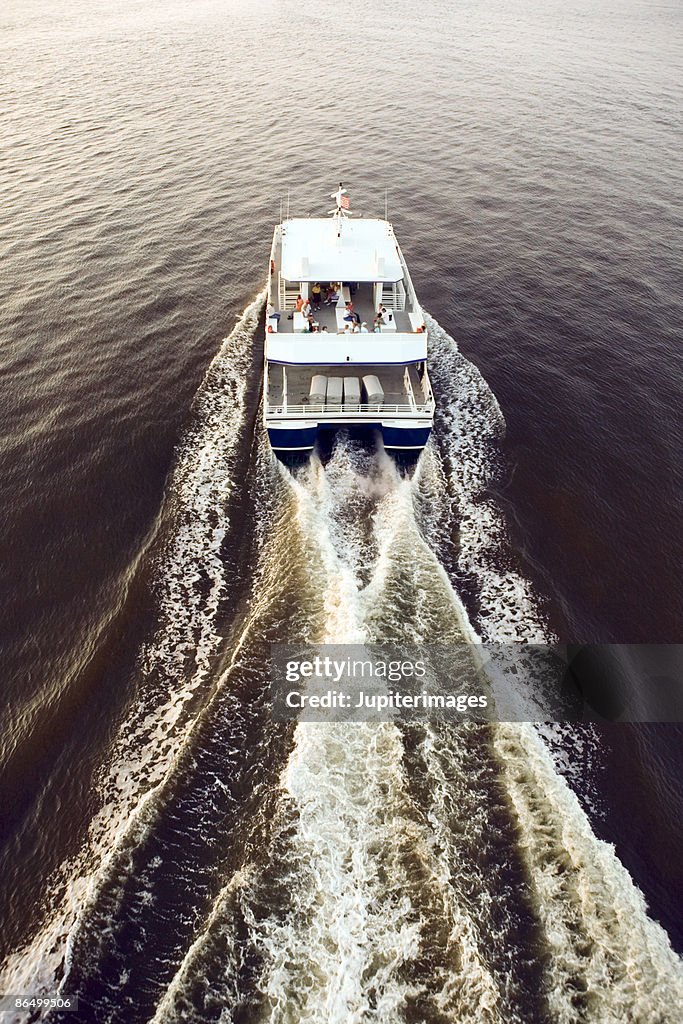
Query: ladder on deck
{"x": 394, "y": 296}
{"x": 287, "y": 292}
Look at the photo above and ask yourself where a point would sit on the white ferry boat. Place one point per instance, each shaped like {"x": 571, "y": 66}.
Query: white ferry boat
{"x": 346, "y": 342}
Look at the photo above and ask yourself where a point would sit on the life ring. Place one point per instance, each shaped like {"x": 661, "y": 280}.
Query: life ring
{"x": 270, "y": 328}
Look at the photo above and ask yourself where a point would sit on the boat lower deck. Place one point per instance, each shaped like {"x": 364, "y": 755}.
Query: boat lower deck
{"x": 401, "y": 387}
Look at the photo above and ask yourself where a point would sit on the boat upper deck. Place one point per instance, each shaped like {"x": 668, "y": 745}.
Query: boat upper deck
{"x": 330, "y": 317}
{"x": 367, "y": 279}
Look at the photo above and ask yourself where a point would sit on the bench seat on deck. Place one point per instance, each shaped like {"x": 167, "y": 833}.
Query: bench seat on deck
{"x": 318, "y": 389}
{"x": 351, "y": 394}
{"x": 335, "y": 388}
{"x": 373, "y": 389}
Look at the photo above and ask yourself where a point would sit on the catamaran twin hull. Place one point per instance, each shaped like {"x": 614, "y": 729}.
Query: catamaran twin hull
{"x": 346, "y": 344}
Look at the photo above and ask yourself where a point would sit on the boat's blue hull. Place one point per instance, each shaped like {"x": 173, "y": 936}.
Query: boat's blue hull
{"x": 405, "y": 439}
{"x": 295, "y": 443}
{"x": 299, "y": 440}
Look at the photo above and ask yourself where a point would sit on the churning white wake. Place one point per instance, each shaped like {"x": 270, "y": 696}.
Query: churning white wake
{"x": 362, "y": 865}
{"x": 608, "y": 960}
{"x": 374, "y": 881}
{"x": 190, "y": 582}
{"x": 469, "y": 421}
{"x": 357, "y": 925}
{"x": 379, "y": 921}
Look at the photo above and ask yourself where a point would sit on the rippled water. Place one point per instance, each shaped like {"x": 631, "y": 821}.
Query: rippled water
{"x": 166, "y": 850}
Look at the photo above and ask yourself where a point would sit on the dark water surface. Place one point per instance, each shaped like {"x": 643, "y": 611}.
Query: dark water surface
{"x": 166, "y": 850}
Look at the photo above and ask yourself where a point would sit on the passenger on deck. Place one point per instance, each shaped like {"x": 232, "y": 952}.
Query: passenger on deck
{"x": 306, "y": 308}
{"x": 350, "y": 314}
{"x": 316, "y": 295}
{"x": 299, "y": 304}
{"x": 271, "y": 312}
{"x": 364, "y": 328}
{"x": 332, "y": 296}
{"x": 384, "y": 316}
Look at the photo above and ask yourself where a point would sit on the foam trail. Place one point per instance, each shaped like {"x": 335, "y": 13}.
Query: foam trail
{"x": 381, "y": 920}
{"x": 468, "y": 423}
{"x": 174, "y": 1003}
{"x": 364, "y": 872}
{"x": 373, "y": 886}
{"x": 175, "y": 664}
{"x": 609, "y": 962}
{"x": 370, "y": 882}
{"x": 457, "y": 470}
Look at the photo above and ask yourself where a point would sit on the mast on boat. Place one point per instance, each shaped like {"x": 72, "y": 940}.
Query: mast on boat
{"x": 342, "y": 209}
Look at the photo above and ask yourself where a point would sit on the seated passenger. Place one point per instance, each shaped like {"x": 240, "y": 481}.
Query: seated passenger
{"x": 332, "y": 296}
{"x": 351, "y": 314}
{"x": 364, "y": 328}
{"x": 384, "y": 316}
{"x": 271, "y": 312}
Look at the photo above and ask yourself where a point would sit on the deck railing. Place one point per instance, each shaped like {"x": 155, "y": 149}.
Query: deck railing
{"x": 364, "y": 409}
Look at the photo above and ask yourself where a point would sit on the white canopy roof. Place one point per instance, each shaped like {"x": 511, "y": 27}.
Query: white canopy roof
{"x": 366, "y": 251}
